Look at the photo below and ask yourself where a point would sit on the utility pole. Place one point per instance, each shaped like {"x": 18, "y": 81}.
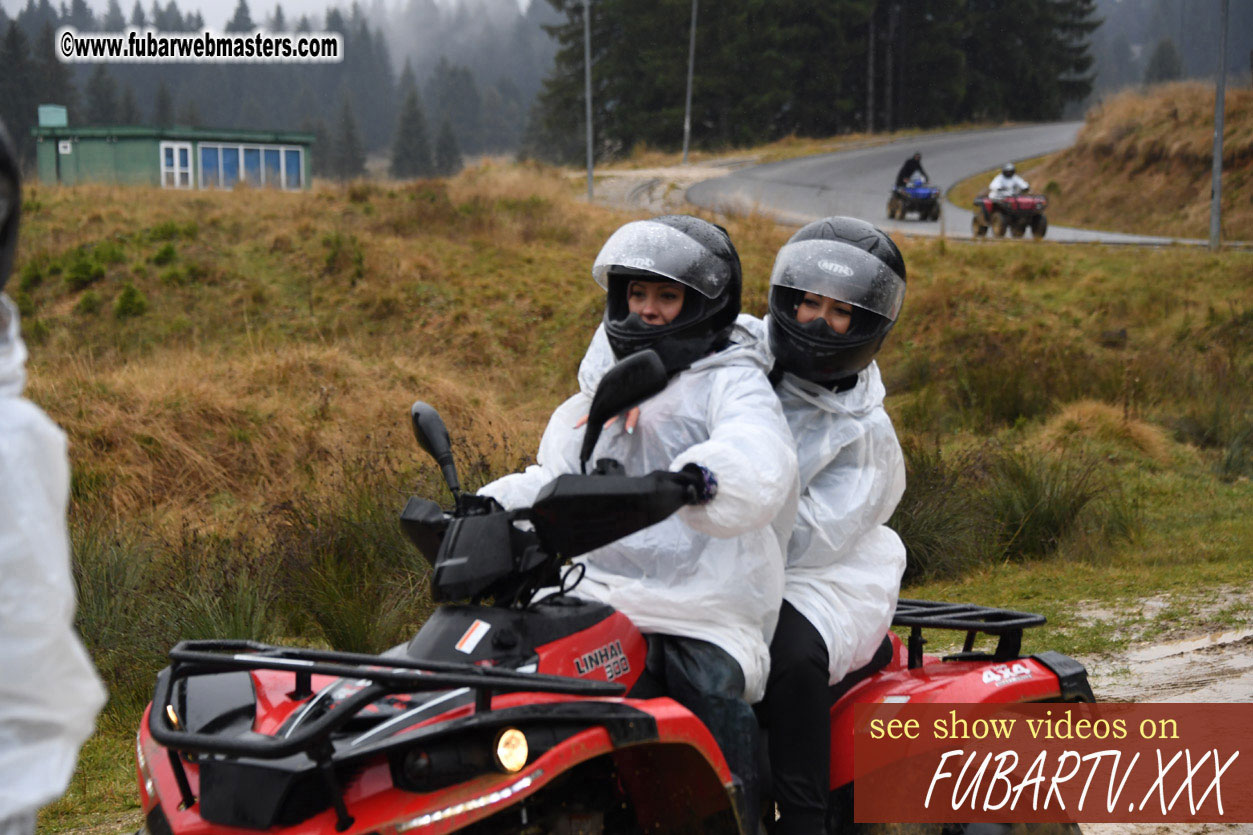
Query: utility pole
{"x": 1216, "y": 186}
{"x": 870, "y": 77}
{"x": 887, "y": 68}
{"x": 691, "y": 64}
{"x": 587, "y": 86}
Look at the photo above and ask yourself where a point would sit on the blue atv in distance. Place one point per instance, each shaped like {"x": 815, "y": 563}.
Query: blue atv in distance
{"x": 915, "y": 196}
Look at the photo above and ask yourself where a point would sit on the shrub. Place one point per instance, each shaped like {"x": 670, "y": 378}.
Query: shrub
{"x": 347, "y": 570}
{"x": 32, "y": 274}
{"x": 1036, "y": 501}
{"x": 944, "y": 532}
{"x": 83, "y": 271}
{"x": 116, "y": 616}
{"x": 164, "y": 255}
{"x": 89, "y": 303}
{"x": 110, "y": 252}
{"x": 344, "y": 254}
{"x": 130, "y": 302}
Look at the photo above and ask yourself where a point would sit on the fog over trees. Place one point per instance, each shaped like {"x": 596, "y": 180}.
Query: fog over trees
{"x": 488, "y": 77}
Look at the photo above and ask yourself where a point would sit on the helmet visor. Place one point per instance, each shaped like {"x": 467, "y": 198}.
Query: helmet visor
{"x": 664, "y": 250}
{"x": 842, "y": 272}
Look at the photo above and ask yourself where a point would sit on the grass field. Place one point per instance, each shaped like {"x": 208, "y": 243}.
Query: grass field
{"x": 234, "y": 372}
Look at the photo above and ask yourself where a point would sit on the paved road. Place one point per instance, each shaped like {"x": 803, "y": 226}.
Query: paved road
{"x": 857, "y": 182}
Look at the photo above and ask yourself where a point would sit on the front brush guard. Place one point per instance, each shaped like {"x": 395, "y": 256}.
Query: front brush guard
{"x": 386, "y": 675}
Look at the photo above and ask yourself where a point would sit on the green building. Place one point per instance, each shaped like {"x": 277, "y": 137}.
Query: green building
{"x": 169, "y": 157}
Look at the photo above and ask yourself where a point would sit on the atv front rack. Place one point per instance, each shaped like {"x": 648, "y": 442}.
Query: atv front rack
{"x": 970, "y": 618}
{"x": 380, "y": 675}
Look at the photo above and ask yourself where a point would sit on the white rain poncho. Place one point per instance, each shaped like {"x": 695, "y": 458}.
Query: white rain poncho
{"x": 1002, "y": 186}
{"x": 714, "y": 571}
{"x": 49, "y": 692}
{"x": 844, "y": 566}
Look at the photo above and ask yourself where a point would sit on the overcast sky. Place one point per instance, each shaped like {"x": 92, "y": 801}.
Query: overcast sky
{"x": 217, "y": 12}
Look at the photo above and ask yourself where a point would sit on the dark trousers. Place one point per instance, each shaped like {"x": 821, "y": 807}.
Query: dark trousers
{"x": 706, "y": 680}
{"x": 797, "y": 714}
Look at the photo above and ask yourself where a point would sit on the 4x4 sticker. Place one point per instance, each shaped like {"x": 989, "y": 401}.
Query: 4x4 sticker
{"x": 999, "y": 674}
{"x": 473, "y": 635}
{"x": 610, "y": 656}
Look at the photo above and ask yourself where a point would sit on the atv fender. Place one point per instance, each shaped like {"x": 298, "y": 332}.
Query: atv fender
{"x": 1046, "y": 677}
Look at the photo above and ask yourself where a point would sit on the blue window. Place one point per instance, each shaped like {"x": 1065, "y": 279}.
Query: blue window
{"x": 252, "y": 166}
{"x": 183, "y": 156}
{"x": 292, "y": 159}
{"x": 273, "y": 168}
{"x": 209, "y": 166}
{"x": 169, "y": 157}
{"x": 230, "y": 165}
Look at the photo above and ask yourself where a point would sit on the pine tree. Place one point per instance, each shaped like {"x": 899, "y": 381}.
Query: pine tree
{"x": 128, "y": 111}
{"x": 163, "y": 107}
{"x": 114, "y": 20}
{"x": 1164, "y": 64}
{"x": 189, "y": 114}
{"x": 411, "y": 151}
{"x": 278, "y": 23}
{"x": 55, "y": 83}
{"x": 322, "y": 151}
{"x": 241, "y": 21}
{"x": 102, "y": 104}
{"x": 80, "y": 16}
{"x": 447, "y": 154}
{"x": 138, "y": 19}
{"x": 349, "y": 156}
{"x": 17, "y": 105}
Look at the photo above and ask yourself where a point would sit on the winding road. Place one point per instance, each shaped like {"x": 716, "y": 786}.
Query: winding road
{"x": 857, "y": 182}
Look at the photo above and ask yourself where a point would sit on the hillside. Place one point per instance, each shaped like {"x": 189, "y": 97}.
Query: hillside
{"x": 1143, "y": 160}
{"x": 234, "y": 371}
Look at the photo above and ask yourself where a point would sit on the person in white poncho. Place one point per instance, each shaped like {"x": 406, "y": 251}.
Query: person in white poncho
{"x": 49, "y": 692}
{"x": 836, "y": 290}
{"x": 705, "y": 585}
{"x": 835, "y": 293}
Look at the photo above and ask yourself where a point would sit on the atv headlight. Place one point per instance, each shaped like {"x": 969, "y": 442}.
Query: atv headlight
{"x": 511, "y": 750}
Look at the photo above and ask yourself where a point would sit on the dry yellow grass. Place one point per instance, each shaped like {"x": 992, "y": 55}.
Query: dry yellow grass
{"x": 1109, "y": 426}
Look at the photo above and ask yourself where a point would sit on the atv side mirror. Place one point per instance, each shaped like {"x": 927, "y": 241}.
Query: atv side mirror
{"x": 432, "y": 435}
{"x": 627, "y": 384}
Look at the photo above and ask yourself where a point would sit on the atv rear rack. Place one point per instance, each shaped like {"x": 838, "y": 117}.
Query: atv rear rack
{"x": 1007, "y": 624}
{"x": 385, "y": 675}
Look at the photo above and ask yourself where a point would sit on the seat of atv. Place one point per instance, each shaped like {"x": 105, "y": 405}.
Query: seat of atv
{"x": 882, "y": 657}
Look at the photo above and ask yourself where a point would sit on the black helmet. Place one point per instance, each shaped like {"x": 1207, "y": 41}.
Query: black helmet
{"x": 847, "y": 260}
{"x": 1008, "y": 169}
{"x": 697, "y": 254}
{"x": 10, "y": 204}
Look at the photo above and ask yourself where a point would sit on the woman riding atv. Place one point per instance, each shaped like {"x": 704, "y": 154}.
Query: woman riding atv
{"x": 705, "y": 584}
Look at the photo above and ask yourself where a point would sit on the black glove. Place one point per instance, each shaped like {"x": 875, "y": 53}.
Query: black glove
{"x": 702, "y": 485}
{"x": 472, "y": 504}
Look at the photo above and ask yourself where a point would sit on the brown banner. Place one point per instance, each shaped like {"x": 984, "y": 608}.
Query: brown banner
{"x": 1081, "y": 763}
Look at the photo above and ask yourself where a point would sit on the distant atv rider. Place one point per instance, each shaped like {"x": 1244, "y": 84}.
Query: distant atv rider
{"x": 912, "y": 165}
{"x": 1007, "y": 183}
{"x": 706, "y": 584}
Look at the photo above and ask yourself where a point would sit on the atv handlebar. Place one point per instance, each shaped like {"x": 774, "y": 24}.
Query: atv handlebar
{"x": 481, "y": 549}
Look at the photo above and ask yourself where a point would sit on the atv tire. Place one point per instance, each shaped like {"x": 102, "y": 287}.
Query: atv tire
{"x": 895, "y": 209}
{"x": 934, "y": 214}
{"x": 1000, "y": 225}
{"x": 1039, "y": 226}
{"x": 977, "y": 227}
{"x": 1018, "y": 228}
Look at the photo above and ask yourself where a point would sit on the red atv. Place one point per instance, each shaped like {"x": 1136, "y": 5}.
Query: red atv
{"x": 525, "y": 714}
{"x": 1016, "y": 214}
